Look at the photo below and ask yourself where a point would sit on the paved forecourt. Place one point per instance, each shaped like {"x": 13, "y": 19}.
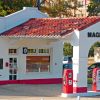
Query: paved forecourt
{"x": 36, "y": 92}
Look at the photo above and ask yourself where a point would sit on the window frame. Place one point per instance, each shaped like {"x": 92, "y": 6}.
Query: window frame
{"x": 12, "y": 51}
{"x": 38, "y": 64}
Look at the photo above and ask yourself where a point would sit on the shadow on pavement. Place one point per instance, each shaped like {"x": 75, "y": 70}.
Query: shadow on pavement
{"x": 31, "y": 90}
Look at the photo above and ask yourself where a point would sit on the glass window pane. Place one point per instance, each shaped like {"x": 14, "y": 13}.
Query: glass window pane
{"x": 34, "y": 50}
{"x": 15, "y": 60}
{"x": 1, "y": 63}
{"x": 10, "y": 60}
{"x": 10, "y": 71}
{"x": 12, "y": 51}
{"x": 14, "y": 77}
{"x": 44, "y": 68}
{"x": 10, "y": 77}
{"x": 38, "y": 63}
{"x": 35, "y": 68}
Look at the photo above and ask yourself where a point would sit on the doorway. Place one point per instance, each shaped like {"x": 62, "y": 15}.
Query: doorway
{"x": 13, "y": 68}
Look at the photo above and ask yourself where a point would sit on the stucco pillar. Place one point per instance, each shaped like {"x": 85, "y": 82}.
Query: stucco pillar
{"x": 79, "y": 70}
{"x": 57, "y": 58}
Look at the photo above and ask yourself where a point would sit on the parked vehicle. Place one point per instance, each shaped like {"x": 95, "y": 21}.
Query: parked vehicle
{"x": 67, "y": 59}
{"x": 67, "y": 66}
{"x": 67, "y": 62}
{"x": 90, "y": 70}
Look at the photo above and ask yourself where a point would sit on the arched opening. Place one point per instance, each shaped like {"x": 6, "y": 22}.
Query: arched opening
{"x": 93, "y": 61}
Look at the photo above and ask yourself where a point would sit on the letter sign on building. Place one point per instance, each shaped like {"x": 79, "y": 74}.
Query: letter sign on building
{"x": 93, "y": 34}
{"x": 25, "y": 50}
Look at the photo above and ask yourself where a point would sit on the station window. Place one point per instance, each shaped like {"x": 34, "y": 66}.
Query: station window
{"x": 1, "y": 63}
{"x": 30, "y": 51}
{"x": 12, "y": 51}
{"x": 43, "y": 50}
{"x": 37, "y": 63}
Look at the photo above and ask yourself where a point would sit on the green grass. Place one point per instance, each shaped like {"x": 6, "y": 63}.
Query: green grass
{"x": 89, "y": 80}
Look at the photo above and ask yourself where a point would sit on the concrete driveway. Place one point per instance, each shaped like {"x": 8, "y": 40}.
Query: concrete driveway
{"x": 35, "y": 92}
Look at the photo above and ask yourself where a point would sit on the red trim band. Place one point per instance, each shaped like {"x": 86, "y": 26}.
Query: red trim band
{"x": 79, "y": 89}
{"x": 98, "y": 91}
{"x": 33, "y": 81}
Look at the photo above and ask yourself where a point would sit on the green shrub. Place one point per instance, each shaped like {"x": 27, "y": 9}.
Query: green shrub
{"x": 89, "y": 80}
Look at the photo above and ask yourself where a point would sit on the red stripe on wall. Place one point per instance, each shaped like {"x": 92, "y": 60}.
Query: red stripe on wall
{"x": 33, "y": 81}
{"x": 79, "y": 89}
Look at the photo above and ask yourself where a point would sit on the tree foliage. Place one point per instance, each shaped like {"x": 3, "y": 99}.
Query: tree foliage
{"x": 94, "y": 8}
{"x": 58, "y": 8}
{"x": 2, "y": 11}
{"x": 11, "y": 6}
{"x": 91, "y": 51}
{"x": 68, "y": 49}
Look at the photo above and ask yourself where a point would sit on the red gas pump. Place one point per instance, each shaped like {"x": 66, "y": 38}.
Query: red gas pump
{"x": 68, "y": 81}
{"x": 96, "y": 80}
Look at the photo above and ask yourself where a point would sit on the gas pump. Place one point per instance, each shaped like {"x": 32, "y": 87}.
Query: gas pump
{"x": 68, "y": 81}
{"x": 96, "y": 80}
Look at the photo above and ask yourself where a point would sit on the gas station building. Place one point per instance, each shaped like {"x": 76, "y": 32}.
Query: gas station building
{"x": 32, "y": 47}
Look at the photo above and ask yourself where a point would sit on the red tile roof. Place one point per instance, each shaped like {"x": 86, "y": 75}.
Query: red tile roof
{"x": 50, "y": 26}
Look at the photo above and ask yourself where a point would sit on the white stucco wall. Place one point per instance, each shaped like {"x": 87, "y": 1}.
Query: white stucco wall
{"x": 80, "y": 54}
{"x": 57, "y": 59}
{"x": 20, "y": 17}
{"x": 56, "y": 56}
{"x": 55, "y": 69}
{"x": 3, "y": 54}
{"x": 89, "y": 41}
{"x": 16, "y": 19}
